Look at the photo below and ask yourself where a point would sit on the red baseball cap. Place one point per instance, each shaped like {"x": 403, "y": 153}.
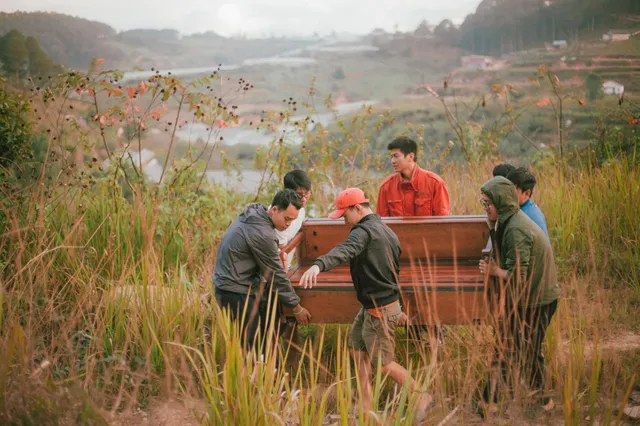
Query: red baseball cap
{"x": 348, "y": 198}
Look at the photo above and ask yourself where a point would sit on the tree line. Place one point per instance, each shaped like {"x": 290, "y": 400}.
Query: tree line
{"x": 22, "y": 56}
{"x": 68, "y": 40}
{"x": 503, "y": 26}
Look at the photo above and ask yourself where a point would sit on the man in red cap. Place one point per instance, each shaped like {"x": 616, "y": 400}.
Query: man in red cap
{"x": 373, "y": 251}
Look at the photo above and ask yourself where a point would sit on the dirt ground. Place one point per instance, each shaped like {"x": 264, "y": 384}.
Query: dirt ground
{"x": 162, "y": 413}
{"x": 188, "y": 413}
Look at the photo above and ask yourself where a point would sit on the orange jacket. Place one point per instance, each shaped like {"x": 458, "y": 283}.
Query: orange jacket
{"x": 425, "y": 194}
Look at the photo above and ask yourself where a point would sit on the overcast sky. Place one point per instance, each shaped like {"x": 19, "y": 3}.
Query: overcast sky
{"x": 256, "y": 17}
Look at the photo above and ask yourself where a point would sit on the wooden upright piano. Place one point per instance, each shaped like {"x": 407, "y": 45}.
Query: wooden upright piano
{"x": 439, "y": 280}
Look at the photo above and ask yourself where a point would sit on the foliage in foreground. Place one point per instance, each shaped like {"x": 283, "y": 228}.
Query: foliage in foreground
{"x": 106, "y": 288}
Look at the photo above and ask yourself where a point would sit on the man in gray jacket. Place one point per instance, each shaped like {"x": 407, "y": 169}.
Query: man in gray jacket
{"x": 248, "y": 266}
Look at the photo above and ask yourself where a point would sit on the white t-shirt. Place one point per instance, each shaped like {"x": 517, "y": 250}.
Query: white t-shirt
{"x": 287, "y": 235}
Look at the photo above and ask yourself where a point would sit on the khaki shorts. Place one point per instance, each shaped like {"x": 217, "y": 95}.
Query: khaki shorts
{"x": 374, "y": 335}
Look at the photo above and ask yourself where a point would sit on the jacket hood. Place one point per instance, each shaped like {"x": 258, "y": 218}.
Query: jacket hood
{"x": 255, "y": 214}
{"x": 503, "y": 195}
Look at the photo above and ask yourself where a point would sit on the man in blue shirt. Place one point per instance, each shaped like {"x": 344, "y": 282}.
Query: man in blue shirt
{"x": 525, "y": 182}
{"x": 503, "y": 169}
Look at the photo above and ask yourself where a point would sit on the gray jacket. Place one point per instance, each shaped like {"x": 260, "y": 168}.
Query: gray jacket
{"x": 248, "y": 257}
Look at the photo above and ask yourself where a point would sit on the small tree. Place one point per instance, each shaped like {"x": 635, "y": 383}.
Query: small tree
{"x": 594, "y": 86}
{"x": 39, "y": 63}
{"x": 338, "y": 74}
{"x": 13, "y": 52}
{"x": 447, "y": 32}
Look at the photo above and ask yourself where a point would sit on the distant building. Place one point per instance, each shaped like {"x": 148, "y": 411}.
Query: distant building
{"x": 145, "y": 156}
{"x": 559, "y": 44}
{"x": 611, "y": 87}
{"x": 616, "y": 35}
{"x": 476, "y": 62}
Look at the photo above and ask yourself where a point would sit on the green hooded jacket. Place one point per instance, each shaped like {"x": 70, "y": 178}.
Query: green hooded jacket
{"x": 522, "y": 248}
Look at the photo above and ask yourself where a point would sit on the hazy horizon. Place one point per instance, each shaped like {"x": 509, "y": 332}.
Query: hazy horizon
{"x": 256, "y": 19}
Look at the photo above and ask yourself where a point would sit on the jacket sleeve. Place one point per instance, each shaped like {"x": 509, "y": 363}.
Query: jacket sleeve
{"x": 355, "y": 243}
{"x": 440, "y": 205}
{"x": 517, "y": 252}
{"x": 382, "y": 207}
{"x": 265, "y": 250}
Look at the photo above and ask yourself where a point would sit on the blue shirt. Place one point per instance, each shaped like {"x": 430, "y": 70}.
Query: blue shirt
{"x": 535, "y": 214}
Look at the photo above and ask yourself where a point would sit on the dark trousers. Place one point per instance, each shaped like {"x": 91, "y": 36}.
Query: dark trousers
{"x": 256, "y": 318}
{"x": 520, "y": 346}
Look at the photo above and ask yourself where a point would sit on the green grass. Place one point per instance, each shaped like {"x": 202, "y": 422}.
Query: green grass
{"x": 623, "y": 49}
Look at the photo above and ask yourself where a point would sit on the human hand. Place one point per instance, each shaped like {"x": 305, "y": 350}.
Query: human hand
{"x": 302, "y": 315}
{"x": 403, "y": 320}
{"x": 487, "y": 267}
{"x": 309, "y": 278}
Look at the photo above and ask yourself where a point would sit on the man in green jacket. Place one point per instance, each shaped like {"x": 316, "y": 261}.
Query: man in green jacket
{"x": 526, "y": 271}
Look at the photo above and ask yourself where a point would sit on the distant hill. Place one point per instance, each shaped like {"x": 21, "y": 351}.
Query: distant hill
{"x": 73, "y": 41}
{"x": 503, "y": 26}
{"x": 430, "y": 54}
{"x": 66, "y": 39}
{"x": 22, "y": 56}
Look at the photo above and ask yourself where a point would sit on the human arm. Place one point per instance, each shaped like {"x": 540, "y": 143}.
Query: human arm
{"x": 489, "y": 267}
{"x": 382, "y": 207}
{"x": 283, "y": 256}
{"x": 440, "y": 197}
{"x": 265, "y": 252}
{"x": 346, "y": 251}
{"x": 517, "y": 254}
{"x": 342, "y": 253}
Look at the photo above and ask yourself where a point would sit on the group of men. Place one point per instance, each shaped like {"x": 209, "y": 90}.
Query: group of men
{"x": 251, "y": 264}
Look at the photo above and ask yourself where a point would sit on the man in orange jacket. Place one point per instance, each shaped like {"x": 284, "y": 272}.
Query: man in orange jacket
{"x": 411, "y": 191}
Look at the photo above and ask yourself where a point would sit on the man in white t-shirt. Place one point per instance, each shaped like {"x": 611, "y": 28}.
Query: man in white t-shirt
{"x": 299, "y": 181}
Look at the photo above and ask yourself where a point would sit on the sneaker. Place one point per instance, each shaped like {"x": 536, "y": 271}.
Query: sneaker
{"x": 422, "y": 415}
{"x": 487, "y": 411}
{"x": 535, "y": 411}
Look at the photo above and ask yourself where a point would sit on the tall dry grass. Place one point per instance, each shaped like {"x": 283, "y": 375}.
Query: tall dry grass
{"x": 105, "y": 289}
{"x": 112, "y": 302}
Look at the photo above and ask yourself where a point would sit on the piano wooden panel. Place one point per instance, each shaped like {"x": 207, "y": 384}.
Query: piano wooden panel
{"x": 439, "y": 277}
